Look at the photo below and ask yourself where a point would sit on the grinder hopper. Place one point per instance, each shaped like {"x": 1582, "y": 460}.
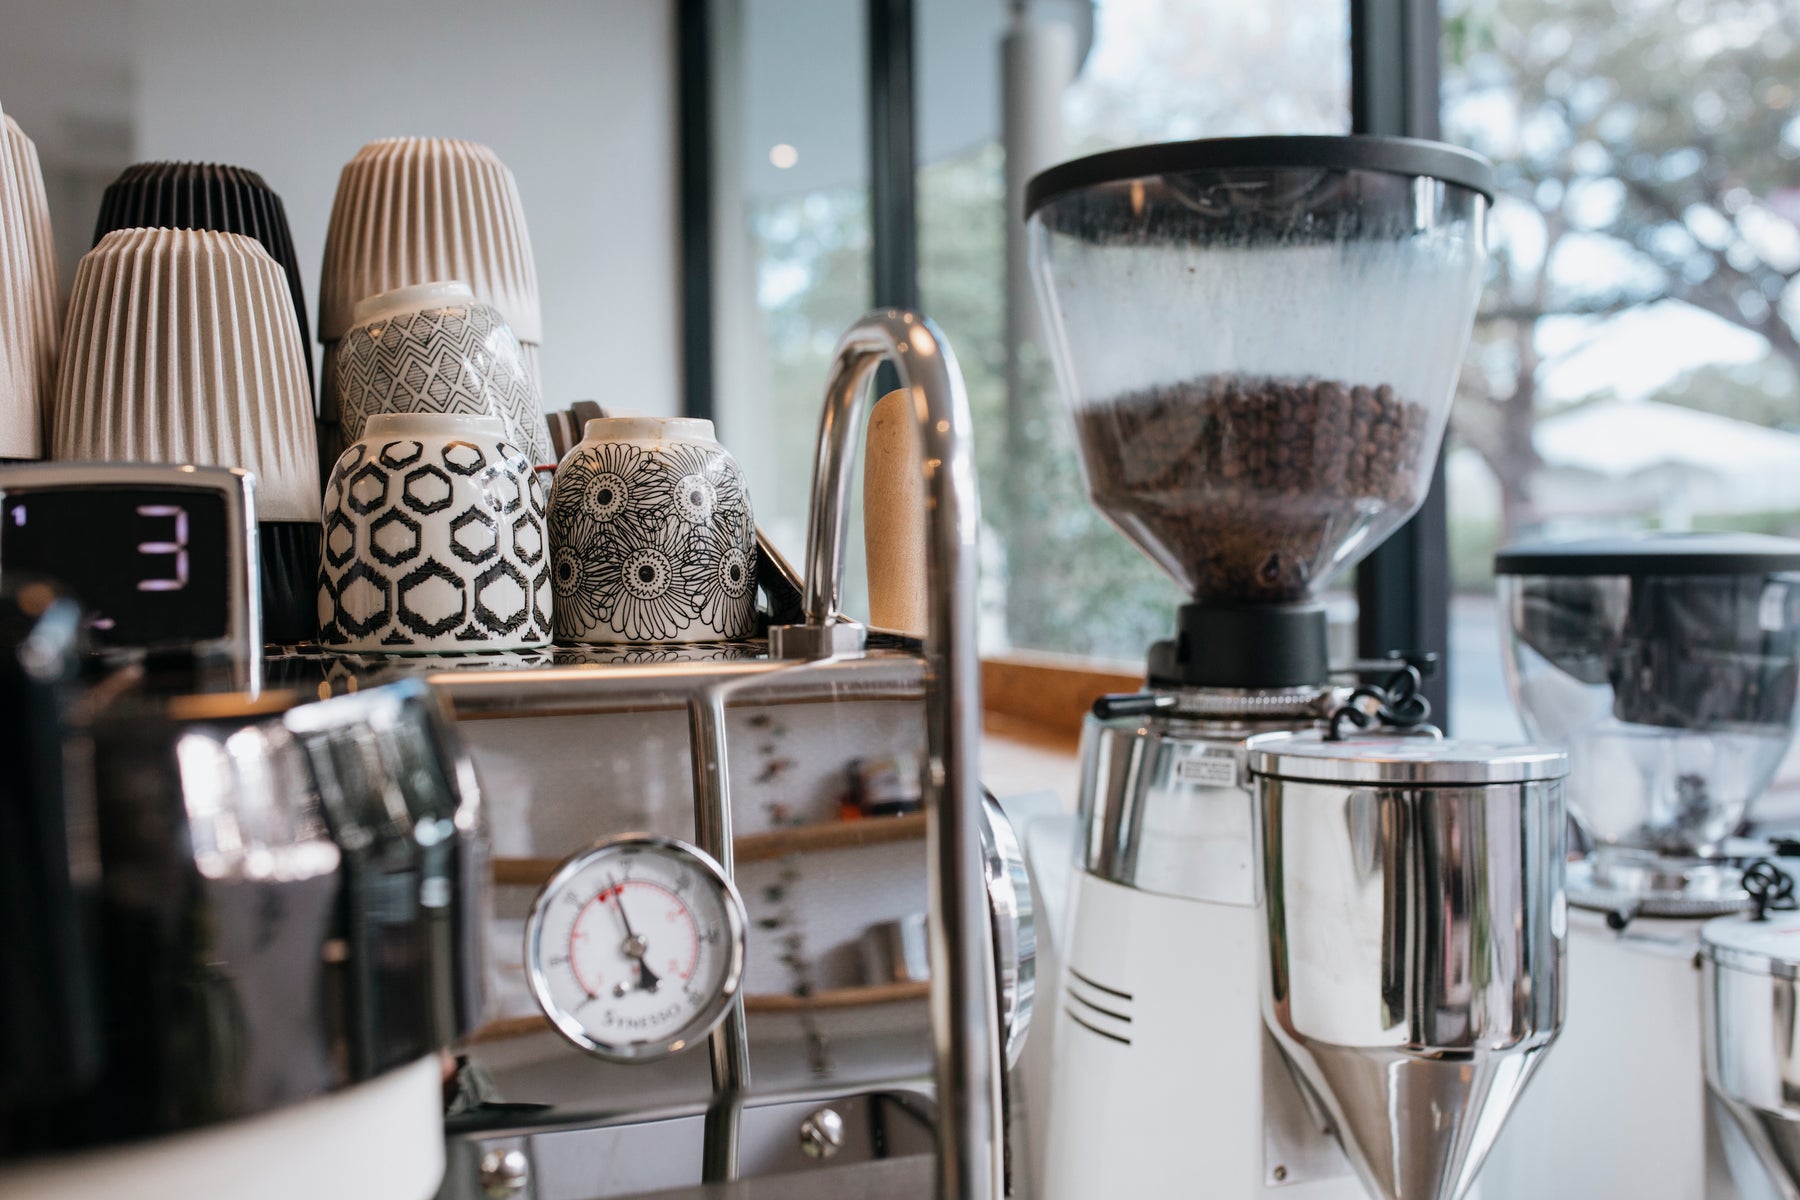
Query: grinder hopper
{"x": 1259, "y": 338}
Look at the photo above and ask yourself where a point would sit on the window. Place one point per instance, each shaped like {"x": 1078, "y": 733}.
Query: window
{"x": 1636, "y": 363}
{"x": 792, "y": 226}
{"x": 790, "y": 198}
{"x": 1056, "y": 575}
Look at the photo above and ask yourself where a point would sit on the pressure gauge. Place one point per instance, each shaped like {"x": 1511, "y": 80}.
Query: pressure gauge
{"x": 635, "y": 947}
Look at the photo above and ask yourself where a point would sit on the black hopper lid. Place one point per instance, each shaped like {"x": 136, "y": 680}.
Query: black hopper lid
{"x": 1653, "y": 554}
{"x": 1408, "y": 157}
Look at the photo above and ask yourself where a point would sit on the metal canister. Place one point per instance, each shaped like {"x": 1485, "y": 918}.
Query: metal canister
{"x": 1752, "y": 1038}
{"x": 1416, "y": 919}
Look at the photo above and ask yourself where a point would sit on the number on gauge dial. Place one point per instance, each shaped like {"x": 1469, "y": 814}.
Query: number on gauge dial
{"x": 635, "y": 947}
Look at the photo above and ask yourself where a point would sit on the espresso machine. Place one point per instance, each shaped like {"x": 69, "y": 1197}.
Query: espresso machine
{"x": 1669, "y": 665}
{"x": 1295, "y": 961}
{"x": 815, "y": 786}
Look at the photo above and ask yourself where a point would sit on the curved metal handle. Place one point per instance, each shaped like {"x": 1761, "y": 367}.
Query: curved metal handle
{"x": 964, "y": 1009}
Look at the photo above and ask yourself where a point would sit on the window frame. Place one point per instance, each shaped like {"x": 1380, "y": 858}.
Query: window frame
{"x": 1403, "y": 587}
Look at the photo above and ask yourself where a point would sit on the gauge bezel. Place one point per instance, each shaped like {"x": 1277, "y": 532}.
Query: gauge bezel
{"x": 709, "y": 1015}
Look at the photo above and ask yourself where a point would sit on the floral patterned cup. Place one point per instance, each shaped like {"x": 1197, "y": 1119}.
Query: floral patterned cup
{"x": 651, "y": 536}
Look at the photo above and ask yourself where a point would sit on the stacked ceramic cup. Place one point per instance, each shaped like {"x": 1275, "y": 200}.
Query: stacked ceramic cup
{"x": 418, "y": 210}
{"x": 434, "y": 540}
{"x": 224, "y": 199}
{"x": 29, "y": 325}
{"x": 435, "y": 348}
{"x": 181, "y": 347}
{"x": 651, "y": 536}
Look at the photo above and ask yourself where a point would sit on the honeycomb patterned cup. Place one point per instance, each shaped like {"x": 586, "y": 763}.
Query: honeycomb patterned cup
{"x": 434, "y": 540}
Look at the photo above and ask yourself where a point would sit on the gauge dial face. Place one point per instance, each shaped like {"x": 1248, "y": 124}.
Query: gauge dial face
{"x": 635, "y": 947}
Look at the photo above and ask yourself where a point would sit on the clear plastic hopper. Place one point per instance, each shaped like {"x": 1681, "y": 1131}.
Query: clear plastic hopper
{"x": 1669, "y": 664}
{"x": 1259, "y": 338}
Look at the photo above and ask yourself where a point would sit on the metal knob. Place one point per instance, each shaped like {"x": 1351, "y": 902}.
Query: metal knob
{"x": 504, "y": 1173}
{"x": 822, "y": 1134}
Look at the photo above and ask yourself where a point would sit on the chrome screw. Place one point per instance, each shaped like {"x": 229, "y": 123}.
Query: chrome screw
{"x": 822, "y": 1134}
{"x": 504, "y": 1173}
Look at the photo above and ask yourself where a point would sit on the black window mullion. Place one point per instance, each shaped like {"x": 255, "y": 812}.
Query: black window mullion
{"x": 893, "y": 161}
{"x": 1403, "y": 588}
{"x": 694, "y": 81}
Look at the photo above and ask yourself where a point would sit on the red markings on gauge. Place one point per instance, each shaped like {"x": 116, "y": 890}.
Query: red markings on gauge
{"x": 664, "y": 924}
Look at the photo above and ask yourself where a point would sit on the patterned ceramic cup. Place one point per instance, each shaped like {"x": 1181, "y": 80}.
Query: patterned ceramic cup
{"x": 434, "y": 540}
{"x": 432, "y": 348}
{"x": 651, "y": 536}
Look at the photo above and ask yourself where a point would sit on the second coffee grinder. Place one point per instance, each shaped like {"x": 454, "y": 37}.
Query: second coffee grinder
{"x": 1259, "y": 339}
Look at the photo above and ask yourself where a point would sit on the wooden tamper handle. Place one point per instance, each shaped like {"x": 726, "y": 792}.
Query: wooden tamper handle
{"x": 894, "y": 517}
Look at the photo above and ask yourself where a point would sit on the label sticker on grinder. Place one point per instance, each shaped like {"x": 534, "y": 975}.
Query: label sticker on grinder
{"x": 1208, "y": 770}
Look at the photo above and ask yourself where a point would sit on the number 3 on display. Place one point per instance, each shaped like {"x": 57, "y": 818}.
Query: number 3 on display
{"x": 178, "y": 547}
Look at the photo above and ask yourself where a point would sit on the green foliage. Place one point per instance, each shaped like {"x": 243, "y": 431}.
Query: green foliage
{"x": 1073, "y": 583}
{"x": 1765, "y": 392}
{"x": 1647, "y": 150}
{"x": 1472, "y": 545}
{"x": 1780, "y": 524}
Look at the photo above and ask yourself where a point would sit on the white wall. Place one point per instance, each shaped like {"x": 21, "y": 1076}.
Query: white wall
{"x": 578, "y": 97}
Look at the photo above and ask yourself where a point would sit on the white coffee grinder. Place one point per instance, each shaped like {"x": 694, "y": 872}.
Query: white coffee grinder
{"x": 1669, "y": 665}
{"x": 1279, "y": 944}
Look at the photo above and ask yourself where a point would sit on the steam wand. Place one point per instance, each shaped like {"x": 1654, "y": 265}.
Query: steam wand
{"x": 971, "y": 1131}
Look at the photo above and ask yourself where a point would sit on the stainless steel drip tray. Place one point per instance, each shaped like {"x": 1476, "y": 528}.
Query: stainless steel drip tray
{"x": 562, "y": 1155}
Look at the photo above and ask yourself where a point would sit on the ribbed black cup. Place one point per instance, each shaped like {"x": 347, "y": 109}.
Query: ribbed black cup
{"x": 290, "y": 581}
{"x": 211, "y": 196}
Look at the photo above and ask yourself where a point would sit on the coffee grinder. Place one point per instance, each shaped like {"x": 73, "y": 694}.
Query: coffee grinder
{"x": 1669, "y": 665}
{"x": 1258, "y": 338}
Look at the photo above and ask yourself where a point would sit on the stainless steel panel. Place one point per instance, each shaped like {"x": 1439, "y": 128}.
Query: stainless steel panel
{"x": 1416, "y": 947}
{"x": 1752, "y": 1040}
{"x": 1167, "y": 806}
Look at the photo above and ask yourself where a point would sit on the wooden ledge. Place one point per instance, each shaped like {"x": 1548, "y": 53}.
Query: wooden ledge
{"x": 756, "y": 847}
{"x": 1042, "y": 698}
{"x": 867, "y": 996}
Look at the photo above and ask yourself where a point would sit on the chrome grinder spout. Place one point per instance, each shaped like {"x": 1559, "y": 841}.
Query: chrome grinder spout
{"x": 1751, "y": 986}
{"x": 1416, "y": 921}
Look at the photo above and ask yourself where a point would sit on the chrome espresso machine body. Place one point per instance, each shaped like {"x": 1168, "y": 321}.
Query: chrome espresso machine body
{"x": 241, "y": 930}
{"x": 830, "y": 775}
{"x": 1669, "y": 665}
{"x": 1293, "y": 962}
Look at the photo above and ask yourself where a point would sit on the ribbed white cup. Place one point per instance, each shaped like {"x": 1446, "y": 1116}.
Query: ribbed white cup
{"x": 413, "y": 210}
{"x": 181, "y": 347}
{"x": 29, "y": 324}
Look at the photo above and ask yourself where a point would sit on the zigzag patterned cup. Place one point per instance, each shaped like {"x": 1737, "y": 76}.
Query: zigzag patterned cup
{"x": 432, "y": 348}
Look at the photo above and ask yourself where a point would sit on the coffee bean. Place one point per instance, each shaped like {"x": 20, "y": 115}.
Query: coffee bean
{"x": 1252, "y": 483}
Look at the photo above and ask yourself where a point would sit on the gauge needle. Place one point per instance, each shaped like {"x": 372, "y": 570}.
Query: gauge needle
{"x": 635, "y": 946}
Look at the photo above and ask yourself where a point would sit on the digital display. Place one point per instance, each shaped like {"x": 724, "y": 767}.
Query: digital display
{"x": 150, "y": 564}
